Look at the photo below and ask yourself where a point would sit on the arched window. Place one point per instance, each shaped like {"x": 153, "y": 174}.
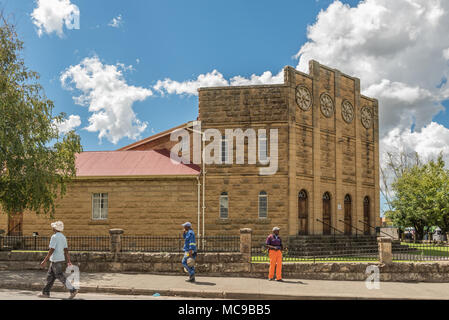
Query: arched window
{"x": 303, "y": 212}
{"x": 327, "y": 221}
{"x": 366, "y": 215}
{"x": 263, "y": 204}
{"x": 348, "y": 215}
{"x": 224, "y": 205}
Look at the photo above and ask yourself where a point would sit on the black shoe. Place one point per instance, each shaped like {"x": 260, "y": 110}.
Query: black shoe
{"x": 270, "y": 279}
{"x": 280, "y": 280}
{"x": 191, "y": 279}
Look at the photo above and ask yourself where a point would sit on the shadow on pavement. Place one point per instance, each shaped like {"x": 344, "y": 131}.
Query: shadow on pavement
{"x": 202, "y": 283}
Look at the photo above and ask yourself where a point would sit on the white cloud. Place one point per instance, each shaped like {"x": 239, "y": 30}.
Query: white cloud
{"x": 428, "y": 142}
{"x": 51, "y": 15}
{"x": 190, "y": 87}
{"x": 116, "y": 22}
{"x": 214, "y": 79}
{"x": 395, "y": 47}
{"x": 74, "y": 121}
{"x": 446, "y": 54}
{"x": 108, "y": 96}
{"x": 265, "y": 78}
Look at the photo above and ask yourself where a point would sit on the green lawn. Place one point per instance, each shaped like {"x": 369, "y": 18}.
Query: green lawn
{"x": 428, "y": 249}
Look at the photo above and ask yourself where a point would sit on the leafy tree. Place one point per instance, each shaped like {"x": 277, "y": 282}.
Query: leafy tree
{"x": 421, "y": 197}
{"x": 35, "y": 161}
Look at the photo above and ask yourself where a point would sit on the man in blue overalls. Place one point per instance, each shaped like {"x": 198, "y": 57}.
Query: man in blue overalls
{"x": 189, "y": 251}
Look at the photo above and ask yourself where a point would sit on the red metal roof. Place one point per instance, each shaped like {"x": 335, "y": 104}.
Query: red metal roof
{"x": 130, "y": 163}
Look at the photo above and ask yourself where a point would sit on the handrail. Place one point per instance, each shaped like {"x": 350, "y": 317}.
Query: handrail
{"x": 349, "y": 224}
{"x": 375, "y": 229}
{"x": 335, "y": 229}
{"x": 14, "y": 228}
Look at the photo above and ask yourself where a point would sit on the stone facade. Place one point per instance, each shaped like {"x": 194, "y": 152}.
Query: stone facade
{"x": 138, "y": 206}
{"x": 328, "y": 142}
{"x": 328, "y": 167}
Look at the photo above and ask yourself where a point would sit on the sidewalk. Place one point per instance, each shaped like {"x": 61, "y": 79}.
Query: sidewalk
{"x": 229, "y": 288}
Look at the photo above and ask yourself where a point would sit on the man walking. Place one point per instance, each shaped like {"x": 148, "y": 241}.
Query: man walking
{"x": 189, "y": 251}
{"x": 57, "y": 255}
{"x": 275, "y": 247}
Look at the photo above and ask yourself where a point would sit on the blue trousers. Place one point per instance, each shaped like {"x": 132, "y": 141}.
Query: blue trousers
{"x": 191, "y": 270}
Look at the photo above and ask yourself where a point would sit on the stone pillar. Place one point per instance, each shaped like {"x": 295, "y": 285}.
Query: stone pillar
{"x": 116, "y": 240}
{"x": 385, "y": 250}
{"x": 245, "y": 243}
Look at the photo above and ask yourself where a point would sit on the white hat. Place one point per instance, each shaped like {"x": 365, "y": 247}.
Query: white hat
{"x": 58, "y": 226}
{"x": 276, "y": 229}
{"x": 187, "y": 224}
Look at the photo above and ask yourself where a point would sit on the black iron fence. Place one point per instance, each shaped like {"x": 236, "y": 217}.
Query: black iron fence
{"x": 421, "y": 251}
{"x": 41, "y": 243}
{"x": 299, "y": 249}
{"x": 321, "y": 250}
{"x": 176, "y": 244}
{"x": 128, "y": 243}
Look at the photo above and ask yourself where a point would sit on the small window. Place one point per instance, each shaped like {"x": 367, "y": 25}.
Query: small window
{"x": 99, "y": 206}
{"x": 263, "y": 204}
{"x": 224, "y": 205}
{"x": 224, "y": 149}
{"x": 263, "y": 148}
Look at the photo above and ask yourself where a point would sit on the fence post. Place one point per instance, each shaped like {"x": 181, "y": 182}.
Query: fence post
{"x": 245, "y": 243}
{"x": 116, "y": 240}
{"x": 385, "y": 250}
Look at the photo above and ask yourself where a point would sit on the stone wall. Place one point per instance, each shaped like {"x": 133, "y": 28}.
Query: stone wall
{"x": 231, "y": 264}
{"x": 151, "y": 206}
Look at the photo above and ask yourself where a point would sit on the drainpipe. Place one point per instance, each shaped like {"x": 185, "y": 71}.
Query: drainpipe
{"x": 199, "y": 194}
{"x": 204, "y": 182}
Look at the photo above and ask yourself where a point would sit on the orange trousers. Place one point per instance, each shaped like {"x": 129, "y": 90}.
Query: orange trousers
{"x": 275, "y": 262}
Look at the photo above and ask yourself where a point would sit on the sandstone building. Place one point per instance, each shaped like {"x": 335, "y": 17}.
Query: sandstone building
{"x": 327, "y": 179}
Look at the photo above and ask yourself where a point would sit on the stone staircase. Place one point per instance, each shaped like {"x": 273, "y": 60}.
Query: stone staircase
{"x": 338, "y": 245}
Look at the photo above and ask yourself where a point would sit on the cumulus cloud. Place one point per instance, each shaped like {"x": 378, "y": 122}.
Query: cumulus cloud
{"x": 397, "y": 48}
{"x": 52, "y": 15}
{"x": 214, "y": 79}
{"x": 109, "y": 98}
{"x": 74, "y": 121}
{"x": 211, "y": 79}
{"x": 400, "y": 51}
{"x": 116, "y": 22}
{"x": 429, "y": 142}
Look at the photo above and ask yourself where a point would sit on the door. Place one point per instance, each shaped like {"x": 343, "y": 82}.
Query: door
{"x": 15, "y": 222}
{"x": 327, "y": 213}
{"x": 366, "y": 214}
{"x": 303, "y": 213}
{"x": 348, "y": 215}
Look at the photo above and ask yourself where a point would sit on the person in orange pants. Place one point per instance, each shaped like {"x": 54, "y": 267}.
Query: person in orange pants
{"x": 275, "y": 247}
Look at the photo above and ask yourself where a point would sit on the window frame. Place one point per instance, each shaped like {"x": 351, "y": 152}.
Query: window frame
{"x": 101, "y": 197}
{"x": 263, "y": 194}
{"x": 222, "y": 195}
{"x": 224, "y": 149}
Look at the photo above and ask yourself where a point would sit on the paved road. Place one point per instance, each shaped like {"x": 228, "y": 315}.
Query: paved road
{"x": 32, "y": 295}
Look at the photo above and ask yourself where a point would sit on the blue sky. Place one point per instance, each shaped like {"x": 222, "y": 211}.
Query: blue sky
{"x": 174, "y": 39}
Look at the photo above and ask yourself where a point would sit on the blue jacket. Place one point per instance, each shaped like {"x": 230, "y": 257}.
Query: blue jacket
{"x": 189, "y": 241}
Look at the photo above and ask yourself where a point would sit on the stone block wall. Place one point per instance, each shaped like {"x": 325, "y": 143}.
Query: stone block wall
{"x": 139, "y": 207}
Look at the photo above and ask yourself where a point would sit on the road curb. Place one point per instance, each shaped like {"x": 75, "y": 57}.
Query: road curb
{"x": 188, "y": 293}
